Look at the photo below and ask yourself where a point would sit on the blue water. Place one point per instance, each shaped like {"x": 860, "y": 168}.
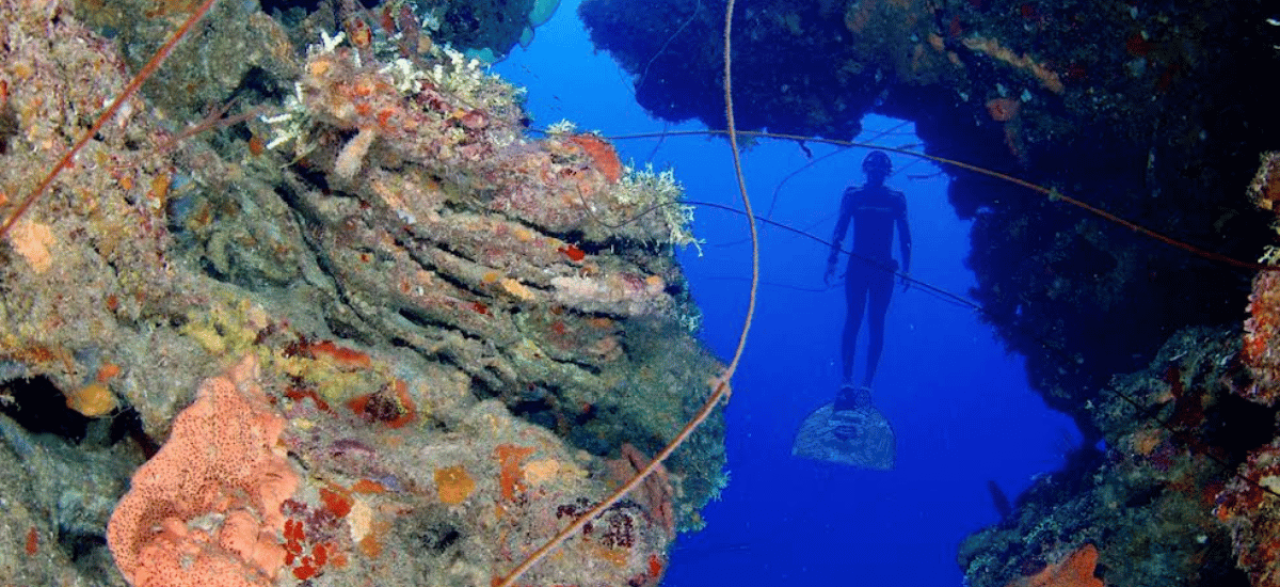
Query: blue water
{"x": 960, "y": 405}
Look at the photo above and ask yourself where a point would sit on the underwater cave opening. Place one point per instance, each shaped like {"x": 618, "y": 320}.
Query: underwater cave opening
{"x": 39, "y": 407}
{"x": 960, "y": 404}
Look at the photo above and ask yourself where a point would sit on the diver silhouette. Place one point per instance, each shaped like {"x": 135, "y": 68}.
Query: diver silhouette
{"x": 874, "y": 209}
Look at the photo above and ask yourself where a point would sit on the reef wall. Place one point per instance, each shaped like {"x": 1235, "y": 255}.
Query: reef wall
{"x": 359, "y": 322}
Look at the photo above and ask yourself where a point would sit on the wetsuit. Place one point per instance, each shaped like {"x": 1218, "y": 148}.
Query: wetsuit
{"x": 874, "y": 210}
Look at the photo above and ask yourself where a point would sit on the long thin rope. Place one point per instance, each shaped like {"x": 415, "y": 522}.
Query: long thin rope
{"x": 746, "y": 204}
{"x": 645, "y": 74}
{"x": 134, "y": 85}
{"x": 1052, "y": 194}
{"x": 814, "y": 161}
{"x": 721, "y": 391}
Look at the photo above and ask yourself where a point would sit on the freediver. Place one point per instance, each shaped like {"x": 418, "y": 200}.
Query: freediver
{"x": 874, "y": 209}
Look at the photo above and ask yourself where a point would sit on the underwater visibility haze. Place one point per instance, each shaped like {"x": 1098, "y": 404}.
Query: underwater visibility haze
{"x": 391, "y": 292}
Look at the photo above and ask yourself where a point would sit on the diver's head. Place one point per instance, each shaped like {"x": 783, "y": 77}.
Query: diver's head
{"x": 877, "y": 166}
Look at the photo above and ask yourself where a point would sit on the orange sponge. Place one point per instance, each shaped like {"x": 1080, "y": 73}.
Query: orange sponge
{"x": 205, "y": 511}
{"x": 1076, "y": 570}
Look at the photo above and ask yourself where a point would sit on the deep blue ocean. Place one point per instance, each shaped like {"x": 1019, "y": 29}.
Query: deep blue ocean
{"x": 960, "y": 404}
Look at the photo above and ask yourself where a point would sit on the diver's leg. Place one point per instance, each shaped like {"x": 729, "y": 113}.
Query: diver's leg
{"x": 880, "y": 294}
{"x": 855, "y": 292}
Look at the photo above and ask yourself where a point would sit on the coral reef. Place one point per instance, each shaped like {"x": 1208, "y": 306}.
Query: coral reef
{"x": 452, "y": 339}
{"x": 445, "y": 330}
{"x": 487, "y": 28}
{"x": 1250, "y": 506}
{"x": 238, "y": 52}
{"x": 655, "y": 495}
{"x": 1260, "y": 344}
{"x": 1147, "y": 501}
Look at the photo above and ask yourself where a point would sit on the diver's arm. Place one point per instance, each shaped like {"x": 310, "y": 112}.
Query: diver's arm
{"x": 842, "y": 226}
